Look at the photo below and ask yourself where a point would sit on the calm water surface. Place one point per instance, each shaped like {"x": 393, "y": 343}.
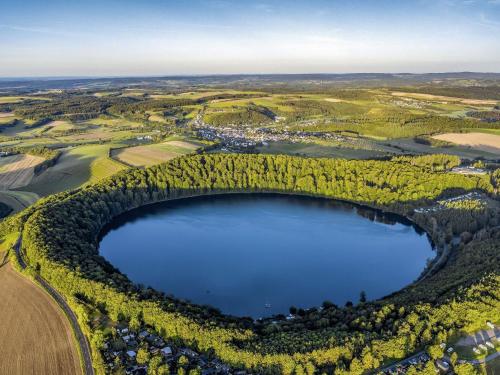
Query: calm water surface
{"x": 257, "y": 255}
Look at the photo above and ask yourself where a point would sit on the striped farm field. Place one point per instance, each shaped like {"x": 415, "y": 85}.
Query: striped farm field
{"x": 17, "y": 170}
{"x": 144, "y": 156}
{"x": 35, "y": 335}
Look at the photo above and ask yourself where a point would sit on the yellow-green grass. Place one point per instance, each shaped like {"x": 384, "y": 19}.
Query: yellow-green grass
{"x": 18, "y": 200}
{"x": 318, "y": 150}
{"x": 481, "y": 130}
{"x": 158, "y": 117}
{"x": 114, "y": 122}
{"x": 27, "y": 142}
{"x": 18, "y": 99}
{"x": 76, "y": 166}
{"x": 6, "y": 117}
{"x": 6, "y": 242}
{"x": 147, "y": 155}
{"x": 227, "y": 103}
{"x": 100, "y": 134}
{"x": 52, "y": 128}
{"x": 59, "y": 126}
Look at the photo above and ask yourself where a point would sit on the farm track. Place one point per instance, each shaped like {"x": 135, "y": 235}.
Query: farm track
{"x": 82, "y": 340}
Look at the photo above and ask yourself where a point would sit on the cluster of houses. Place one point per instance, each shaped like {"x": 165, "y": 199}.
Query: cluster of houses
{"x": 483, "y": 347}
{"x": 123, "y": 350}
{"x": 232, "y": 139}
{"x": 409, "y": 103}
{"x": 403, "y": 366}
{"x": 443, "y": 204}
{"x": 144, "y": 138}
{"x": 468, "y": 169}
{"x": 242, "y": 139}
{"x": 443, "y": 365}
{"x": 489, "y": 339}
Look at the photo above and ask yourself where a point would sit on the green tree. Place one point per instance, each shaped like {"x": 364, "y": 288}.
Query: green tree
{"x": 142, "y": 356}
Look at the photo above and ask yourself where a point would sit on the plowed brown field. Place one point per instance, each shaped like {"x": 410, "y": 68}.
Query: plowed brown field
{"x": 35, "y": 335}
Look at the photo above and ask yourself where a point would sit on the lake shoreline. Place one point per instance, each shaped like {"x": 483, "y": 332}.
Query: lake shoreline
{"x": 339, "y": 208}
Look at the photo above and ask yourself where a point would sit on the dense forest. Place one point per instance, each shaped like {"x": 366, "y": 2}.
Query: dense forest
{"x": 61, "y": 233}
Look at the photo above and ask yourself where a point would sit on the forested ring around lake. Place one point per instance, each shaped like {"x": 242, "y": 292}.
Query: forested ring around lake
{"x": 60, "y": 235}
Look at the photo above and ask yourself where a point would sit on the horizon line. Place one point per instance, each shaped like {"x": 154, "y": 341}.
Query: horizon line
{"x": 69, "y": 77}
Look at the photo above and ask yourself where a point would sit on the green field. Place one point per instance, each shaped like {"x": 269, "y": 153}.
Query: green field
{"x": 318, "y": 150}
{"x": 147, "y": 155}
{"x": 18, "y": 200}
{"x": 76, "y": 167}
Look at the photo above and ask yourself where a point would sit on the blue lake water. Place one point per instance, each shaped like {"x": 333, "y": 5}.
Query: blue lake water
{"x": 257, "y": 255}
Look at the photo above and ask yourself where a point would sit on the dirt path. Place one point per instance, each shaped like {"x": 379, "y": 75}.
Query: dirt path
{"x": 35, "y": 335}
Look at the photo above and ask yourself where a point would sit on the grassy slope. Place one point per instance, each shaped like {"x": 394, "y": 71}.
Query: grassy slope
{"x": 148, "y": 155}
{"x": 77, "y": 166}
{"x": 318, "y": 150}
{"x": 18, "y": 200}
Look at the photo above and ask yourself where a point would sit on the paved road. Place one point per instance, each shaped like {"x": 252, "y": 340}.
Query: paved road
{"x": 405, "y": 361}
{"x": 486, "y": 359}
{"x": 82, "y": 340}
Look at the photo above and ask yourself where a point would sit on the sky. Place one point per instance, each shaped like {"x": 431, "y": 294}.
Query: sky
{"x": 178, "y": 37}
